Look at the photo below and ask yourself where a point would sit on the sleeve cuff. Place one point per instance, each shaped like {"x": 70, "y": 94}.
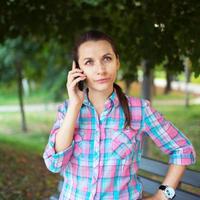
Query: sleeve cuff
{"x": 62, "y": 154}
{"x": 183, "y": 158}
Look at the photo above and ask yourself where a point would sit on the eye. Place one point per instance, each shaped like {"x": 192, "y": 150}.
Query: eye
{"x": 89, "y": 62}
{"x": 107, "y": 58}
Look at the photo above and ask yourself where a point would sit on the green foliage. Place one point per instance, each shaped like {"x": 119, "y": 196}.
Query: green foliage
{"x": 47, "y": 63}
{"x": 31, "y": 143}
{"x": 90, "y": 2}
{"x": 17, "y": 52}
{"x": 57, "y": 61}
{"x": 157, "y": 31}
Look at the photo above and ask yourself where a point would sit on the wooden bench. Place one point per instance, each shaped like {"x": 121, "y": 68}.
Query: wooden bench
{"x": 190, "y": 179}
{"x": 189, "y": 187}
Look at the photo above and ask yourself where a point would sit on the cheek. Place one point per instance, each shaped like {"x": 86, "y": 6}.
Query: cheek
{"x": 86, "y": 72}
{"x": 113, "y": 71}
{"x": 88, "y": 75}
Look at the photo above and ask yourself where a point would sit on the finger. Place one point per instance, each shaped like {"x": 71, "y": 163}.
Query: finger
{"x": 74, "y": 77}
{"x": 75, "y": 81}
{"x": 72, "y": 74}
{"x": 77, "y": 74}
{"x": 74, "y": 71}
{"x": 73, "y": 65}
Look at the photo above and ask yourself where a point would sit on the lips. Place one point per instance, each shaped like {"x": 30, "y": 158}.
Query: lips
{"x": 102, "y": 80}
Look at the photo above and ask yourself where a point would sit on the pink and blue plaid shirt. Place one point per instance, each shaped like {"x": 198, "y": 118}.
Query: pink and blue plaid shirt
{"x": 103, "y": 159}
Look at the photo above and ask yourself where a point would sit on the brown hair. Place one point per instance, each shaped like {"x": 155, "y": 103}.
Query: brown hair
{"x": 94, "y": 35}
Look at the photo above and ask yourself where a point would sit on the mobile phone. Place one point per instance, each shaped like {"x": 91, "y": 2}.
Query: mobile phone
{"x": 81, "y": 84}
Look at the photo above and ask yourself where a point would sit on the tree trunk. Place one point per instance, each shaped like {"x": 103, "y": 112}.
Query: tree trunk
{"x": 127, "y": 86}
{"x": 20, "y": 95}
{"x": 154, "y": 92}
{"x": 147, "y": 80}
{"x": 146, "y": 94}
{"x": 168, "y": 82}
{"x": 187, "y": 80}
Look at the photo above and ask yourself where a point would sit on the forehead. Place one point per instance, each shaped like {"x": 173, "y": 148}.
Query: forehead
{"x": 94, "y": 48}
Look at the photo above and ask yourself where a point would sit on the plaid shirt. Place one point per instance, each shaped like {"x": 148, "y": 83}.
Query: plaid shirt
{"x": 103, "y": 159}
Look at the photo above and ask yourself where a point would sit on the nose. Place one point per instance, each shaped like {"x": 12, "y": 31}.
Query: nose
{"x": 100, "y": 68}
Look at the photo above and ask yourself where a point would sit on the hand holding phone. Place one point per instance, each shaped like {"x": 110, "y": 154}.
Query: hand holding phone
{"x": 74, "y": 87}
{"x": 81, "y": 84}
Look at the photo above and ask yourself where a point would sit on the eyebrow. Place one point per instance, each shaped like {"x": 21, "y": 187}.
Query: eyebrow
{"x": 107, "y": 54}
{"x": 102, "y": 56}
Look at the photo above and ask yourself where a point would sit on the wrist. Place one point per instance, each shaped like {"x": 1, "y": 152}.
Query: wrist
{"x": 74, "y": 105}
{"x": 168, "y": 191}
{"x": 160, "y": 195}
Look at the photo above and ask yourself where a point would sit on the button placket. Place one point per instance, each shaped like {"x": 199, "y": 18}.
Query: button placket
{"x": 96, "y": 156}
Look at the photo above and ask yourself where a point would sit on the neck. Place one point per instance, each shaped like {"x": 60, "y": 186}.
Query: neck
{"x": 98, "y": 98}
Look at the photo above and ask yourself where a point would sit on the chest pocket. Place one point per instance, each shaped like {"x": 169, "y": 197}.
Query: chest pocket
{"x": 124, "y": 143}
{"x": 83, "y": 145}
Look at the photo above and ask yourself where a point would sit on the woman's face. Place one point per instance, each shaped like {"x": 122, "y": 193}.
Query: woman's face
{"x": 99, "y": 63}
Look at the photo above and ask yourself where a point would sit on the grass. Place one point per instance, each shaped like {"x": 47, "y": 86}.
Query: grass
{"x": 175, "y": 95}
{"x": 29, "y": 143}
{"x": 39, "y": 124}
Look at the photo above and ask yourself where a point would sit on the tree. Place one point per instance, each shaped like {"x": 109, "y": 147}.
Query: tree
{"x": 149, "y": 31}
{"x": 56, "y": 61}
{"x": 15, "y": 55}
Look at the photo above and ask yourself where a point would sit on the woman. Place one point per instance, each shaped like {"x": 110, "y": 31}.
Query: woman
{"x": 96, "y": 141}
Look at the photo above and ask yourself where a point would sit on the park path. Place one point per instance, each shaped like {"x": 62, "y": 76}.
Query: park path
{"x": 192, "y": 88}
{"x": 179, "y": 85}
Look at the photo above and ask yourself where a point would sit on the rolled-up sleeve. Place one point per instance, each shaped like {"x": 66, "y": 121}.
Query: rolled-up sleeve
{"x": 167, "y": 137}
{"x": 54, "y": 161}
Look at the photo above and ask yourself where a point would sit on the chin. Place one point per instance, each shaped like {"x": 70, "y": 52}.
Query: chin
{"x": 102, "y": 88}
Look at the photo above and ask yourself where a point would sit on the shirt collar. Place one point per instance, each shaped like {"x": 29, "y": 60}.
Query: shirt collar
{"x": 111, "y": 101}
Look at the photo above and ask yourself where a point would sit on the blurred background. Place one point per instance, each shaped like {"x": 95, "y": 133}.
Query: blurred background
{"x": 159, "y": 47}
